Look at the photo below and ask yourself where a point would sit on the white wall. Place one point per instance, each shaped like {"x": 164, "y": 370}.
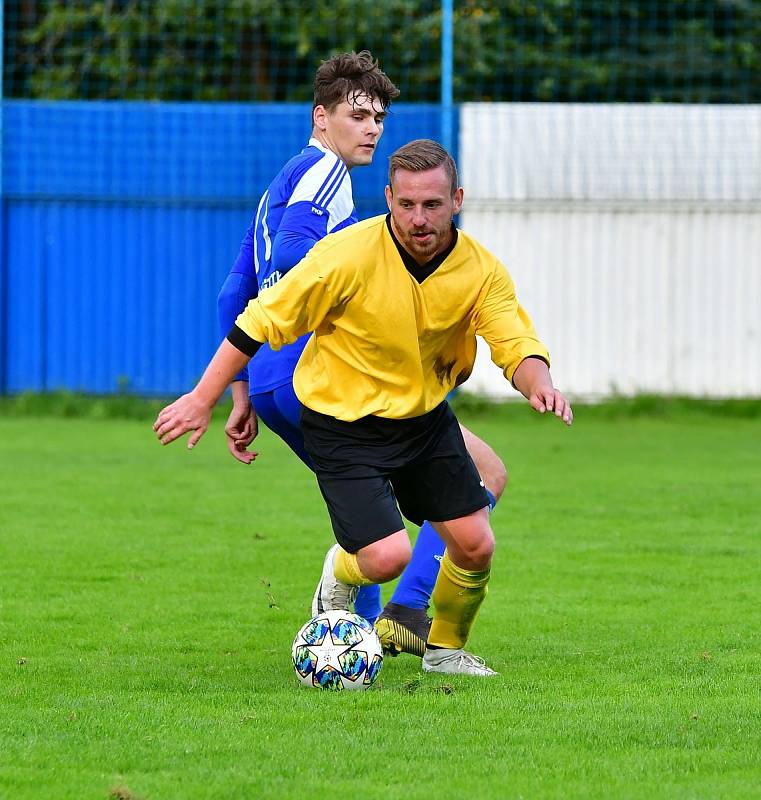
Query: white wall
{"x": 633, "y": 234}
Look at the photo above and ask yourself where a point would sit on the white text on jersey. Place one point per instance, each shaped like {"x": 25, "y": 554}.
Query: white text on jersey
{"x": 271, "y": 280}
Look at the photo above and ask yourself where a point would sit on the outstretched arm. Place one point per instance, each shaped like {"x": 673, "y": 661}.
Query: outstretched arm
{"x": 192, "y": 411}
{"x": 296, "y": 304}
{"x": 533, "y": 380}
{"x": 239, "y": 288}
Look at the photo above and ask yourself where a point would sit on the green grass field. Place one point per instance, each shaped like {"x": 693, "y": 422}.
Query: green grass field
{"x": 149, "y": 597}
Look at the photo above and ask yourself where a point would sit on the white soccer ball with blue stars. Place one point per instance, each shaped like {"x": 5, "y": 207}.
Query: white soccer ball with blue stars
{"x": 337, "y": 650}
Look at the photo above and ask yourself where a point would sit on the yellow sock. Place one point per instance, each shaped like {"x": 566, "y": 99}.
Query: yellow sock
{"x": 457, "y": 596}
{"x": 346, "y": 569}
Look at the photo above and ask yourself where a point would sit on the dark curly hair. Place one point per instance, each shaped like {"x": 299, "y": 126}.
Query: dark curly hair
{"x": 351, "y": 74}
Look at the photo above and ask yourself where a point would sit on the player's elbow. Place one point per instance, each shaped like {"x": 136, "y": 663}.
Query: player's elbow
{"x": 227, "y": 296}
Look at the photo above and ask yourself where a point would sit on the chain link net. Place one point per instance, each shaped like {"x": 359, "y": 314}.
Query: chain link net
{"x": 691, "y": 51}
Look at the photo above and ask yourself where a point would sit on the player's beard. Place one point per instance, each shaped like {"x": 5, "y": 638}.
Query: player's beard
{"x": 424, "y": 249}
{"x": 432, "y": 246}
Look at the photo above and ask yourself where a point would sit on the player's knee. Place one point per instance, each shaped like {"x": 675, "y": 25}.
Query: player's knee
{"x": 385, "y": 560}
{"x": 478, "y": 551}
{"x": 496, "y": 480}
{"x": 390, "y": 564}
{"x": 485, "y": 551}
{"x": 492, "y": 470}
{"x": 489, "y": 465}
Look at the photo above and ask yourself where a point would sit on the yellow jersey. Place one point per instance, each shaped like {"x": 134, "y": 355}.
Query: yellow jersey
{"x": 385, "y": 343}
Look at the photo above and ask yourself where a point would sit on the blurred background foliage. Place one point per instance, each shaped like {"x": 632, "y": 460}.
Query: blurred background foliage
{"x": 697, "y": 51}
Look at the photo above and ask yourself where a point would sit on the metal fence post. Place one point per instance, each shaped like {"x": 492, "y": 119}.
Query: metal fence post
{"x": 3, "y": 264}
{"x": 447, "y": 36}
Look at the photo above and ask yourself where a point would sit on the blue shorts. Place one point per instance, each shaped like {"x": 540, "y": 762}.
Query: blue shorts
{"x": 280, "y": 410}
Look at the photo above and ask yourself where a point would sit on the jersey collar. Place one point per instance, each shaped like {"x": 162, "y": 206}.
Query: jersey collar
{"x": 320, "y": 146}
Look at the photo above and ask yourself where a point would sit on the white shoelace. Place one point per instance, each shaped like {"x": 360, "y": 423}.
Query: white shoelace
{"x": 342, "y": 595}
{"x": 469, "y": 660}
{"x": 465, "y": 659}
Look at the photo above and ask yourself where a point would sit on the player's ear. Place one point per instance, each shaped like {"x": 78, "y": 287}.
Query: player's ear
{"x": 389, "y": 197}
{"x": 457, "y": 199}
{"x": 319, "y": 118}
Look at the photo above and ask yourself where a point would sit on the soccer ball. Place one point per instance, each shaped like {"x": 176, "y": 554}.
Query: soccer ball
{"x": 337, "y": 650}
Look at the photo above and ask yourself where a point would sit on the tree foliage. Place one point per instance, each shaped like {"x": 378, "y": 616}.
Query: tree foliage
{"x": 540, "y": 50}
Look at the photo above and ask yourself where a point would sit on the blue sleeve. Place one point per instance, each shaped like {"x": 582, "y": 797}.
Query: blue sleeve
{"x": 239, "y": 287}
{"x": 300, "y": 229}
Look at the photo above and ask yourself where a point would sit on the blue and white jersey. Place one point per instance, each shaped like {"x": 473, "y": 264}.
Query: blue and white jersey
{"x": 308, "y": 199}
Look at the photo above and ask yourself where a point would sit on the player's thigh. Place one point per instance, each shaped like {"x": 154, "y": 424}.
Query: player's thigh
{"x": 489, "y": 465}
{"x": 288, "y": 405}
{"x": 443, "y": 483}
{"x": 361, "y": 506}
{"x": 279, "y": 409}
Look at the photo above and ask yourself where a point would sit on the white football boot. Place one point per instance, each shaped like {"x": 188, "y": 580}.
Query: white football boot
{"x": 332, "y": 594}
{"x": 455, "y": 662}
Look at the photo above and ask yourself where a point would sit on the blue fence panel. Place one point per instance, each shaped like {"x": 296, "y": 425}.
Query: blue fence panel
{"x": 121, "y": 221}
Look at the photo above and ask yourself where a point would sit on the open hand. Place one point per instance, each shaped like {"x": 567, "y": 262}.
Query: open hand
{"x": 187, "y": 413}
{"x": 547, "y": 398}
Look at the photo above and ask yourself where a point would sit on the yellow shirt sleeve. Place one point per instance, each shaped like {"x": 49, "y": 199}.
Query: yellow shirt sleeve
{"x": 505, "y": 326}
{"x": 298, "y": 303}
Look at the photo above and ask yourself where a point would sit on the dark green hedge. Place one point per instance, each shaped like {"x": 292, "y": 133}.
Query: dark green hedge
{"x": 265, "y": 50}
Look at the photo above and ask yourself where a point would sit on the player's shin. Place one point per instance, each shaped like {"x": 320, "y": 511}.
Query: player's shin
{"x": 347, "y": 569}
{"x": 457, "y": 596}
{"x": 368, "y": 602}
{"x": 419, "y": 577}
{"x": 339, "y": 582}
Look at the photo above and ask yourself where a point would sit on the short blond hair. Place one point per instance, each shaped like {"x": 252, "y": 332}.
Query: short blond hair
{"x": 421, "y": 155}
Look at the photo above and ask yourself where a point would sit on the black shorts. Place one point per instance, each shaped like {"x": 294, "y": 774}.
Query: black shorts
{"x": 365, "y": 468}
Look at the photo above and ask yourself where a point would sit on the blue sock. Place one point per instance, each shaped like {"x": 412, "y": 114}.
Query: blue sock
{"x": 368, "y": 602}
{"x": 416, "y": 583}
